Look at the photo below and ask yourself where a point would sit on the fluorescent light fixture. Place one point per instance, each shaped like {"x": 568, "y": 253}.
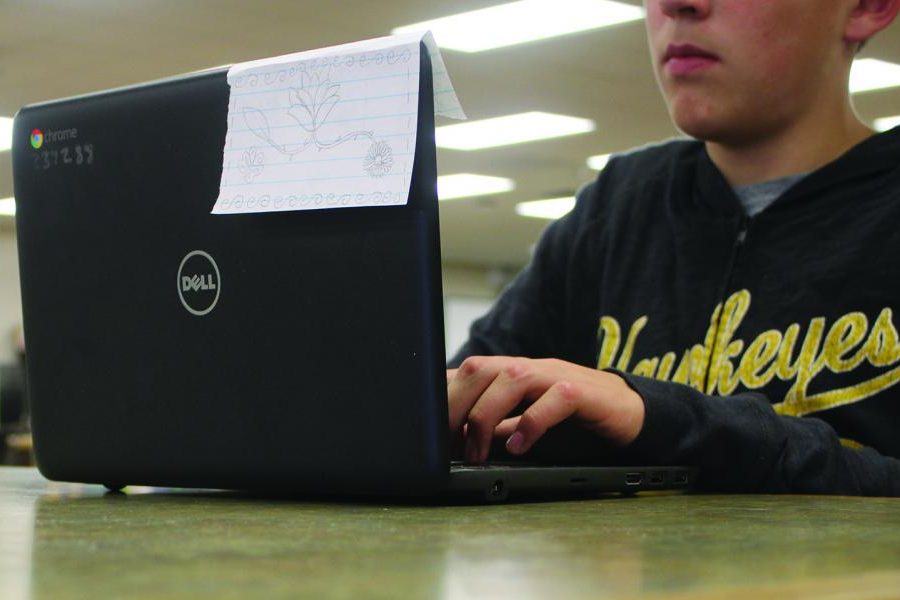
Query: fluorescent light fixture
{"x": 868, "y": 74}
{"x": 524, "y": 21}
{"x": 551, "y": 208}
{"x": 598, "y": 162}
{"x": 7, "y": 207}
{"x": 887, "y": 123}
{"x": 5, "y": 133}
{"x": 463, "y": 185}
{"x": 511, "y": 129}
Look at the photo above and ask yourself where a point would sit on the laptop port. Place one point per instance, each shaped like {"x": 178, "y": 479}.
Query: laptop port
{"x": 657, "y": 478}
{"x": 680, "y": 478}
{"x": 634, "y": 478}
{"x": 497, "y": 489}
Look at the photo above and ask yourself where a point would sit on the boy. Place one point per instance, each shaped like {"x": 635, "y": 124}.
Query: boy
{"x": 728, "y": 302}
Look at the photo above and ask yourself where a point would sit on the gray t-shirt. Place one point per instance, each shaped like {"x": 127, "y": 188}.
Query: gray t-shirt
{"x": 758, "y": 196}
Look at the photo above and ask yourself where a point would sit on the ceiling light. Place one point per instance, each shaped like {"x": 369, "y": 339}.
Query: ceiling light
{"x": 463, "y": 185}
{"x": 524, "y": 21}
{"x": 552, "y": 208}
{"x": 7, "y": 207}
{"x": 511, "y": 129}
{"x": 598, "y": 162}
{"x": 871, "y": 74}
{"x": 887, "y": 123}
{"x": 5, "y": 133}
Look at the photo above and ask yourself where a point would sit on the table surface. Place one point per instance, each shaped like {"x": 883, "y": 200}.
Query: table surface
{"x": 69, "y": 541}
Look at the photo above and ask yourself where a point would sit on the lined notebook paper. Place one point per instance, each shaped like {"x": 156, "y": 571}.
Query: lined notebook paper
{"x": 327, "y": 128}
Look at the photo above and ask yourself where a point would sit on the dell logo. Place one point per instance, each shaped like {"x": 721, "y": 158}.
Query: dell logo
{"x": 199, "y": 283}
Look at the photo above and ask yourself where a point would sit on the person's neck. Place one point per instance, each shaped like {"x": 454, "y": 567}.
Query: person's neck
{"x": 802, "y": 148}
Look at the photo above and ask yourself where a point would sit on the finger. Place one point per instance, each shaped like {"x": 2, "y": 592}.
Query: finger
{"x": 514, "y": 383}
{"x": 472, "y": 377}
{"x": 558, "y": 404}
{"x": 450, "y": 374}
{"x": 506, "y": 427}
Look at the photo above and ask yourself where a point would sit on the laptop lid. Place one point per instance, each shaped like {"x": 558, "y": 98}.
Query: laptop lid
{"x": 168, "y": 346}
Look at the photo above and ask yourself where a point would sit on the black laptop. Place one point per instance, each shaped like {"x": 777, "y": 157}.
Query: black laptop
{"x": 298, "y": 352}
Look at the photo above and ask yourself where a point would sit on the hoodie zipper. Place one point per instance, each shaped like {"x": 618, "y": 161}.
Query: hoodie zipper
{"x": 740, "y": 240}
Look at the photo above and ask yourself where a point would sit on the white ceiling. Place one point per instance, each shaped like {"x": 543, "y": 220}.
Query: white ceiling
{"x": 56, "y": 48}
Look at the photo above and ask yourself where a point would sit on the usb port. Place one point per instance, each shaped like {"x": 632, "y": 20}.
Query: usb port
{"x": 634, "y": 478}
{"x": 657, "y": 478}
{"x": 680, "y": 478}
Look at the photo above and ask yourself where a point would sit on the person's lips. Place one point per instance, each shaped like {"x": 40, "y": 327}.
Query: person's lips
{"x": 685, "y": 59}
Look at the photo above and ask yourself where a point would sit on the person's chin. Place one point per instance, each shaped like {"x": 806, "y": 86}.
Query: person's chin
{"x": 699, "y": 123}
{"x": 691, "y": 112}
{"x": 700, "y": 130}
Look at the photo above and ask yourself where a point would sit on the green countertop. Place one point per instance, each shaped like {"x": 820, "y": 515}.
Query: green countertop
{"x": 72, "y": 541}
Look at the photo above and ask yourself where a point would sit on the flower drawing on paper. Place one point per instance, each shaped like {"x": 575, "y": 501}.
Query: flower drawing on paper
{"x": 251, "y": 164}
{"x": 379, "y": 159}
{"x": 313, "y": 101}
{"x": 310, "y": 107}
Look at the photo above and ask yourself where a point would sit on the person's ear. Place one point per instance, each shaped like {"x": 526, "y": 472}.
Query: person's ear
{"x": 868, "y": 18}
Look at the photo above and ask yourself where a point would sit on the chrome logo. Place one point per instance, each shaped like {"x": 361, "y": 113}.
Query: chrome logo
{"x": 37, "y": 138}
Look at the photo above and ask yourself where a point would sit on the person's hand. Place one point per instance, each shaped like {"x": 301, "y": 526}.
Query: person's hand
{"x": 485, "y": 389}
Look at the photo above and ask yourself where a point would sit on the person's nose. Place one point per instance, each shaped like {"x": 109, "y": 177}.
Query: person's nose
{"x": 686, "y": 9}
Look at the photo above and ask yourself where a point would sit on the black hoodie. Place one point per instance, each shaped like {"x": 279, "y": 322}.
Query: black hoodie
{"x": 659, "y": 275}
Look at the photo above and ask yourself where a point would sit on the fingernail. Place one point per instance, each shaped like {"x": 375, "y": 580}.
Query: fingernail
{"x": 515, "y": 442}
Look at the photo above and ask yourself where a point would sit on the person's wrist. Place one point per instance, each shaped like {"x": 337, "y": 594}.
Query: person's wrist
{"x": 636, "y": 421}
{"x": 632, "y": 412}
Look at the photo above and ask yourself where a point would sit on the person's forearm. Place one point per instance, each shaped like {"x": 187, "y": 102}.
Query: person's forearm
{"x": 742, "y": 445}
